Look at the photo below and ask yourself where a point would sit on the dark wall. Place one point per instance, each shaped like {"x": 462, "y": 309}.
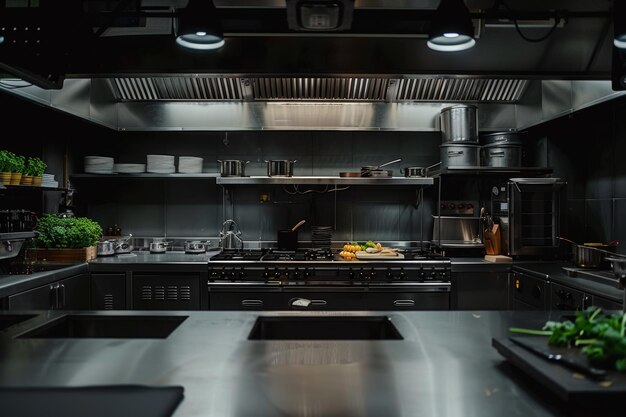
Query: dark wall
{"x": 587, "y": 150}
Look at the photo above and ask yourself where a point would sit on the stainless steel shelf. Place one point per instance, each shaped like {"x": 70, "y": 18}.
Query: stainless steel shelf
{"x": 8, "y": 187}
{"x": 147, "y": 175}
{"x": 318, "y": 180}
{"x": 532, "y": 171}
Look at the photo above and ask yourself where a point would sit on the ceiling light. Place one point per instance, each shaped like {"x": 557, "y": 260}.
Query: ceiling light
{"x": 199, "y": 26}
{"x": 619, "y": 24}
{"x": 451, "y": 29}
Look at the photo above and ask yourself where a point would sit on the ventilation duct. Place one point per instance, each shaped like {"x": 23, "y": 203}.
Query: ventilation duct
{"x": 332, "y": 89}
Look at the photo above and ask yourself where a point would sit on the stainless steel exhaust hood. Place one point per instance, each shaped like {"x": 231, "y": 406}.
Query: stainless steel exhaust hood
{"x": 379, "y": 75}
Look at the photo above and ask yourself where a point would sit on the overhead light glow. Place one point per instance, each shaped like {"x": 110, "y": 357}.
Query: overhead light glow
{"x": 199, "y": 26}
{"x": 451, "y": 29}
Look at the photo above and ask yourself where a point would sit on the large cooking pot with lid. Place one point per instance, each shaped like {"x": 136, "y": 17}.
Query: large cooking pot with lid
{"x": 105, "y": 248}
{"x": 459, "y": 155}
{"x": 232, "y": 168}
{"x": 459, "y": 124}
{"x": 502, "y": 155}
{"x": 501, "y": 138}
{"x": 280, "y": 168}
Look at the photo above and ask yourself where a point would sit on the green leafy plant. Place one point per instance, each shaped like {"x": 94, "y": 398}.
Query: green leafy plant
{"x": 602, "y": 337}
{"x": 11, "y": 162}
{"x": 19, "y": 164}
{"x": 35, "y": 167}
{"x": 4, "y": 161}
{"x": 68, "y": 232}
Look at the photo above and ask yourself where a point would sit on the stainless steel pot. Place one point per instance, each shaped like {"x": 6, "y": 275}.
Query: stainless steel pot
{"x": 196, "y": 246}
{"x": 459, "y": 155}
{"x": 233, "y": 168}
{"x": 124, "y": 245}
{"x": 501, "y": 138}
{"x": 584, "y": 256}
{"x": 280, "y": 168}
{"x": 502, "y": 156}
{"x": 158, "y": 247}
{"x": 619, "y": 266}
{"x": 459, "y": 124}
{"x": 105, "y": 248}
{"x": 413, "y": 172}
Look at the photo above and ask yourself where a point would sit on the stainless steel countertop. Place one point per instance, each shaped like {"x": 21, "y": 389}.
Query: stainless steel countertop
{"x": 445, "y": 366}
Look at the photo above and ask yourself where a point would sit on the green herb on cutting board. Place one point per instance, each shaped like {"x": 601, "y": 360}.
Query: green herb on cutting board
{"x": 602, "y": 337}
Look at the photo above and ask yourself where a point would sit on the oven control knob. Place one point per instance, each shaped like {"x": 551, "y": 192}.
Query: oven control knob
{"x": 307, "y": 273}
{"x": 390, "y": 275}
{"x": 297, "y": 274}
{"x": 361, "y": 274}
{"x": 422, "y": 274}
{"x": 433, "y": 274}
{"x": 372, "y": 274}
{"x": 242, "y": 274}
{"x": 215, "y": 274}
{"x": 266, "y": 274}
{"x": 402, "y": 275}
{"x": 351, "y": 274}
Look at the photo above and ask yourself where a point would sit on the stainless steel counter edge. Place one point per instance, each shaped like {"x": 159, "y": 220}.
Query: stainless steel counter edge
{"x": 13, "y": 284}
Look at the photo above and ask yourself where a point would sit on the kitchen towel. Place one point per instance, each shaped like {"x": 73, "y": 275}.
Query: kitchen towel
{"x": 91, "y": 401}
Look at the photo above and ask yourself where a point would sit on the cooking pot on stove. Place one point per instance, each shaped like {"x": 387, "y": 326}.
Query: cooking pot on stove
{"x": 124, "y": 245}
{"x": 158, "y": 246}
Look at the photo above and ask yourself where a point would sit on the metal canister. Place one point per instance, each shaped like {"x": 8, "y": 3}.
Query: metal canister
{"x": 459, "y": 124}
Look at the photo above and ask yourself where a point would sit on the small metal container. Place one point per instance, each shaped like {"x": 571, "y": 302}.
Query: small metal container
{"x": 459, "y": 124}
{"x": 196, "y": 246}
{"x": 413, "y": 172}
{"x": 459, "y": 155}
{"x": 501, "y": 138}
{"x": 124, "y": 245}
{"x": 233, "y": 168}
{"x": 280, "y": 168}
{"x": 105, "y": 248}
{"x": 502, "y": 156}
{"x": 158, "y": 247}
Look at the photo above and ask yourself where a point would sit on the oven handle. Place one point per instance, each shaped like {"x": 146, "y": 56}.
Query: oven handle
{"x": 252, "y": 303}
{"x": 404, "y": 303}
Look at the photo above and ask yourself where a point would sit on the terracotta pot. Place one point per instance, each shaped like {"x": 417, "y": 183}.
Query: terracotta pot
{"x": 37, "y": 181}
{"x": 26, "y": 180}
{"x": 16, "y": 177}
{"x": 5, "y": 177}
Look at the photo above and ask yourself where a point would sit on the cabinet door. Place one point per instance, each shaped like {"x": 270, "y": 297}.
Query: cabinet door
{"x": 74, "y": 293}
{"x": 605, "y": 303}
{"x": 40, "y": 298}
{"x": 166, "y": 292}
{"x": 481, "y": 291}
{"x": 108, "y": 292}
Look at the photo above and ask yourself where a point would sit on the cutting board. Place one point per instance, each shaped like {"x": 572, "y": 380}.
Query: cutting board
{"x": 561, "y": 381}
{"x": 378, "y": 256}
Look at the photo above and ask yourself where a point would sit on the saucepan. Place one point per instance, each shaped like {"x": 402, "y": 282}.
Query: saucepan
{"x": 280, "y": 168}
{"x": 589, "y": 255}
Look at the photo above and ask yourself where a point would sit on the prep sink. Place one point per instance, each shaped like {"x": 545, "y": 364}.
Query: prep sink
{"x": 12, "y": 319}
{"x": 324, "y": 328}
{"x": 114, "y": 327}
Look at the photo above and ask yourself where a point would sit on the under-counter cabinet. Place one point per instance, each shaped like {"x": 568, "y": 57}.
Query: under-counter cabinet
{"x": 68, "y": 294}
{"x": 569, "y": 299}
{"x": 108, "y": 291}
{"x": 154, "y": 291}
{"x": 480, "y": 290}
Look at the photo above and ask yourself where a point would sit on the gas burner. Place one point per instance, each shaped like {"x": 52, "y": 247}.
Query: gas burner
{"x": 299, "y": 255}
{"x": 239, "y": 255}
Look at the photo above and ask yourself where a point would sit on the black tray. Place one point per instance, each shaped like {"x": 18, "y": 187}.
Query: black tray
{"x": 571, "y": 388}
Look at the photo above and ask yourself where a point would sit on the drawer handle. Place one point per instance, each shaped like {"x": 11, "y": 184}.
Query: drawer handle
{"x": 404, "y": 303}
{"x": 452, "y": 154}
{"x": 251, "y": 303}
{"x": 318, "y": 302}
{"x": 497, "y": 153}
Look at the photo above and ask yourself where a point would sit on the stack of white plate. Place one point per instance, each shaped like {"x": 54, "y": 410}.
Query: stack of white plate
{"x": 99, "y": 165}
{"x": 129, "y": 168}
{"x": 161, "y": 164}
{"x": 189, "y": 165}
{"x": 47, "y": 180}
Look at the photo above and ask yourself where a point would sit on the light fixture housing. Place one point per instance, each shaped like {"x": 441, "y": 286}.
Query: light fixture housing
{"x": 199, "y": 26}
{"x": 451, "y": 29}
{"x": 619, "y": 24}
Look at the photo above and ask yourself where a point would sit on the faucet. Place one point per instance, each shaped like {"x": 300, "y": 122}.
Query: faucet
{"x": 230, "y": 236}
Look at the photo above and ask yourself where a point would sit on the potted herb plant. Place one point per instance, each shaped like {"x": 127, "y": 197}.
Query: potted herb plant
{"x": 18, "y": 163}
{"x": 34, "y": 169}
{"x": 66, "y": 239}
{"x": 5, "y": 167}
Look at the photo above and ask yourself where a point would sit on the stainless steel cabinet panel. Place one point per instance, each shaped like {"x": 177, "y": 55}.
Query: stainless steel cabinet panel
{"x": 68, "y": 294}
{"x": 108, "y": 292}
{"x": 481, "y": 291}
{"x": 40, "y": 298}
{"x": 528, "y": 293}
{"x": 166, "y": 292}
{"x": 605, "y": 303}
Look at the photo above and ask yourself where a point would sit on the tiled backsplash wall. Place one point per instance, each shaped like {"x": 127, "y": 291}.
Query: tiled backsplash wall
{"x": 588, "y": 150}
{"x": 193, "y": 208}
